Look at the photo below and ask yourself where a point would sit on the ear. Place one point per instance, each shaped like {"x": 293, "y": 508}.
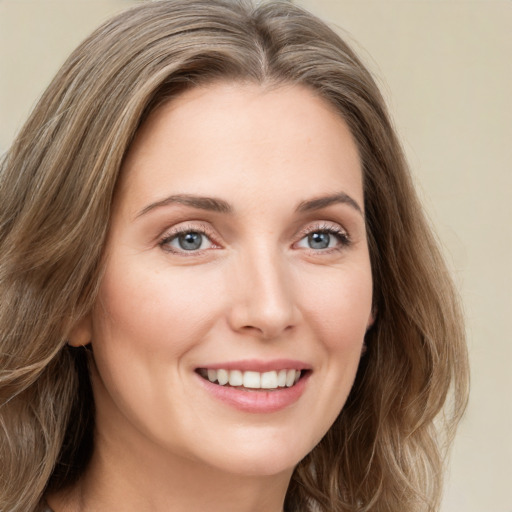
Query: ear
{"x": 81, "y": 334}
{"x": 371, "y": 318}
{"x": 371, "y": 321}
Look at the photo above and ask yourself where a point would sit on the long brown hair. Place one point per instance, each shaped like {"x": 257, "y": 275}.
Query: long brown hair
{"x": 385, "y": 450}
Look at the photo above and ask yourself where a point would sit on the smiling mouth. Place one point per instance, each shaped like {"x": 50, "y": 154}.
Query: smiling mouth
{"x": 251, "y": 380}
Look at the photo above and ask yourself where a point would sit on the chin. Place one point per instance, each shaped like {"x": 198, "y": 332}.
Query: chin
{"x": 260, "y": 457}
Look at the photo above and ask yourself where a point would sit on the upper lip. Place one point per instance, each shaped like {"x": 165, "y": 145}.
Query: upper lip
{"x": 258, "y": 365}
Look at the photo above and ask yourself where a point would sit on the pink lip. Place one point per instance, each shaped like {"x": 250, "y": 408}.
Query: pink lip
{"x": 258, "y": 401}
{"x": 257, "y": 365}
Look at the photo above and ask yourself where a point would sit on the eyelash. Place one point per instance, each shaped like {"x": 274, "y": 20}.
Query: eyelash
{"x": 182, "y": 230}
{"x": 340, "y": 234}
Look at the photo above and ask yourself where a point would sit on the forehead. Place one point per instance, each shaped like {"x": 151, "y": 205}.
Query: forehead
{"x": 224, "y": 135}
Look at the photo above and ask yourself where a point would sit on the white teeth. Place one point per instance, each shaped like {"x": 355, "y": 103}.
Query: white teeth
{"x": 222, "y": 377}
{"x": 253, "y": 380}
{"x": 290, "y": 378}
{"x": 269, "y": 380}
{"x": 236, "y": 378}
{"x": 281, "y": 378}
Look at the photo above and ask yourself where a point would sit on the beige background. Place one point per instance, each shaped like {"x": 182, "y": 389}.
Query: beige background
{"x": 445, "y": 68}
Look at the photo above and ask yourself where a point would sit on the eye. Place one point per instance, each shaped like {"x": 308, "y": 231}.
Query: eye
{"x": 320, "y": 240}
{"x": 324, "y": 238}
{"x": 186, "y": 241}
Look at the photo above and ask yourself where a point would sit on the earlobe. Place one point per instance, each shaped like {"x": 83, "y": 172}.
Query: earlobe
{"x": 81, "y": 334}
{"x": 371, "y": 319}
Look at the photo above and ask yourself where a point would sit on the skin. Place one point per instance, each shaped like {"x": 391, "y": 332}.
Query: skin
{"x": 256, "y": 289}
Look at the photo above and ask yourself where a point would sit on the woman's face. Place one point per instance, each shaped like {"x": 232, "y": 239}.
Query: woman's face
{"x": 237, "y": 252}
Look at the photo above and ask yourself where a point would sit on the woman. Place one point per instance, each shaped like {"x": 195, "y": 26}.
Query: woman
{"x": 219, "y": 288}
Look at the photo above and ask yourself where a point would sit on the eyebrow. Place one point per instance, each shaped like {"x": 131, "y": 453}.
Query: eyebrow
{"x": 220, "y": 206}
{"x": 325, "y": 201}
{"x": 202, "y": 203}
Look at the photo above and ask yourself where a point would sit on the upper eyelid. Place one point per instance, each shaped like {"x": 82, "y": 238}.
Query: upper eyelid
{"x": 323, "y": 226}
{"x": 186, "y": 226}
{"x": 173, "y": 232}
{"x": 196, "y": 225}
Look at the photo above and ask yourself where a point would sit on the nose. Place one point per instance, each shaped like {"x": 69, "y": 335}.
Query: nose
{"x": 264, "y": 303}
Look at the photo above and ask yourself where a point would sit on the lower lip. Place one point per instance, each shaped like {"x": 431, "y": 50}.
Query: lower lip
{"x": 257, "y": 401}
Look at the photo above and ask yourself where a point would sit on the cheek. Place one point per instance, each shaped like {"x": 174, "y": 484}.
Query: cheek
{"x": 339, "y": 306}
{"x": 153, "y": 310}
{"x": 145, "y": 324}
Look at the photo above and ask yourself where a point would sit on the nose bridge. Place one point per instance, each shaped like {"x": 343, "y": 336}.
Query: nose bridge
{"x": 264, "y": 300}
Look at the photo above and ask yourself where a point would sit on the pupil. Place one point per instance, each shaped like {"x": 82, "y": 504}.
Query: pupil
{"x": 190, "y": 241}
{"x": 319, "y": 240}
